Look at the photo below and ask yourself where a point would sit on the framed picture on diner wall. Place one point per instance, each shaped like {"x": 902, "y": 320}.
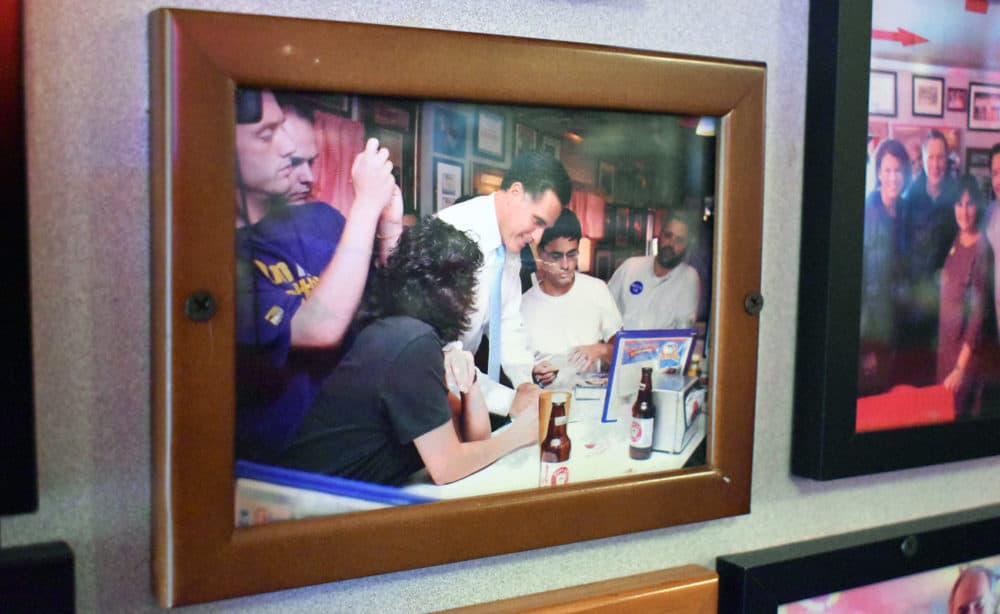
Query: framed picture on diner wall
{"x": 877, "y": 391}
{"x": 928, "y": 96}
{"x": 448, "y": 182}
{"x": 490, "y": 134}
{"x": 984, "y": 106}
{"x": 947, "y": 563}
{"x": 226, "y": 525}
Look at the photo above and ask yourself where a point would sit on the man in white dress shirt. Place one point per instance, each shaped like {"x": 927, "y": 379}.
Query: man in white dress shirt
{"x": 661, "y": 291}
{"x": 533, "y": 192}
{"x": 568, "y": 314}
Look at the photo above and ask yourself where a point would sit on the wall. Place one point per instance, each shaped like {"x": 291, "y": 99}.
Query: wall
{"x": 87, "y": 97}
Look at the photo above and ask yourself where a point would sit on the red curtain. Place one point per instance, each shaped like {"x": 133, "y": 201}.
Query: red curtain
{"x": 339, "y": 140}
{"x": 589, "y": 208}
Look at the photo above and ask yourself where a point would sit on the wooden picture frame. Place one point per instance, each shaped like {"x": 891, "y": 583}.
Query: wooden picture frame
{"x": 490, "y": 135}
{"x": 826, "y": 443}
{"x": 882, "y": 101}
{"x": 984, "y": 107}
{"x": 449, "y": 182}
{"x": 689, "y": 589}
{"x": 198, "y": 59}
{"x": 18, "y": 464}
{"x": 928, "y": 96}
{"x": 855, "y": 572}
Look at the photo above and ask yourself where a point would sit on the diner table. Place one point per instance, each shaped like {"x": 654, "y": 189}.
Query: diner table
{"x": 600, "y": 450}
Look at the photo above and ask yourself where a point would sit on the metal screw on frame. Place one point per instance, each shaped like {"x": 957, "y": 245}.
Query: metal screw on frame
{"x": 909, "y": 546}
{"x": 753, "y": 303}
{"x": 200, "y": 306}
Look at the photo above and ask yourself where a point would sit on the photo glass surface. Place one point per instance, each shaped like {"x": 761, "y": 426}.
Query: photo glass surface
{"x": 929, "y": 351}
{"x": 923, "y": 593}
{"x": 292, "y": 220}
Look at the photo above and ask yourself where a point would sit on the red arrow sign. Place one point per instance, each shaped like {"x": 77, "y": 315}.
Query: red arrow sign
{"x": 900, "y": 36}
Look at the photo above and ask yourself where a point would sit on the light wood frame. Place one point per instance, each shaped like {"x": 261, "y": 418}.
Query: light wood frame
{"x": 690, "y": 589}
{"x": 198, "y": 58}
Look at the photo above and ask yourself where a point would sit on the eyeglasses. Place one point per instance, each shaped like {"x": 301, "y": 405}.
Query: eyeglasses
{"x": 555, "y": 258}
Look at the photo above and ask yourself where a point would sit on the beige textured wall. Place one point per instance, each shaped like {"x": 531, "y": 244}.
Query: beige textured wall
{"x": 89, "y": 212}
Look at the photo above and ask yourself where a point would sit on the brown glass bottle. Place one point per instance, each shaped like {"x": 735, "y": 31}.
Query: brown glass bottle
{"x": 556, "y": 447}
{"x": 643, "y": 418}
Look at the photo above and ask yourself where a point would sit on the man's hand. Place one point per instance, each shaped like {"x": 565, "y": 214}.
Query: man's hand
{"x": 544, "y": 373}
{"x": 371, "y": 174}
{"x": 459, "y": 369}
{"x": 525, "y": 399}
{"x": 584, "y": 357}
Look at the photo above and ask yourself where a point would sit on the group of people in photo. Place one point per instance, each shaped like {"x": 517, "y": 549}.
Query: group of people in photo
{"x": 357, "y": 333}
{"x": 929, "y": 293}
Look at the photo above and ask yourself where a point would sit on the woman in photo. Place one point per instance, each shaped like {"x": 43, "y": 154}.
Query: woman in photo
{"x": 884, "y": 275}
{"x": 384, "y": 413}
{"x": 966, "y": 354}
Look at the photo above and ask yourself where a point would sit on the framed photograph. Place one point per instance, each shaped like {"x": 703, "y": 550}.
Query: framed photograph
{"x": 606, "y": 179}
{"x": 928, "y": 96}
{"x": 448, "y": 182}
{"x": 490, "y": 134}
{"x": 621, "y": 226}
{"x": 486, "y": 179}
{"x": 551, "y": 145}
{"x": 690, "y": 588}
{"x": 637, "y": 228}
{"x": 958, "y": 99}
{"x": 524, "y": 139}
{"x": 602, "y": 264}
{"x": 984, "y": 107}
{"x": 862, "y": 405}
{"x": 947, "y": 563}
{"x": 200, "y": 60}
{"x": 450, "y": 127}
{"x": 18, "y": 465}
{"x": 338, "y": 104}
{"x": 882, "y": 93}
{"x": 391, "y": 116}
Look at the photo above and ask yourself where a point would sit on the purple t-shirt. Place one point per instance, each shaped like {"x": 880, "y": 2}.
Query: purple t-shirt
{"x": 279, "y": 260}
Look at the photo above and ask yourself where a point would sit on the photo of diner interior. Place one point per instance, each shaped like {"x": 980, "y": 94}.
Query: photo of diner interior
{"x": 929, "y": 350}
{"x": 432, "y": 297}
{"x": 957, "y": 589}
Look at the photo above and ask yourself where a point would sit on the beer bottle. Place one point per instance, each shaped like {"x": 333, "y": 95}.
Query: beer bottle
{"x": 643, "y": 417}
{"x": 554, "y": 468}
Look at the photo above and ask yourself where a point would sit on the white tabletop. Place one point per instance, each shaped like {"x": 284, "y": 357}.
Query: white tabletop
{"x": 599, "y": 450}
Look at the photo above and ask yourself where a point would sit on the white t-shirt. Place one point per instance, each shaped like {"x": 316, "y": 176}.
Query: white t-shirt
{"x": 650, "y": 302}
{"x": 586, "y": 314}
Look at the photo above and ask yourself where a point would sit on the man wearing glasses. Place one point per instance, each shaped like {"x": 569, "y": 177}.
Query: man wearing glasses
{"x": 661, "y": 291}
{"x": 568, "y": 315}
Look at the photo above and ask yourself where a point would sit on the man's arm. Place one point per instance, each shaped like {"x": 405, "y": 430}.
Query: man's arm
{"x": 448, "y": 457}
{"x": 322, "y": 320}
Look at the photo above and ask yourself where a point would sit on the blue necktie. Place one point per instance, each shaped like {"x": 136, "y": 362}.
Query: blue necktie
{"x": 495, "y": 315}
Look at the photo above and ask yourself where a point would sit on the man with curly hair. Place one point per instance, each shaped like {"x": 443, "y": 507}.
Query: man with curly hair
{"x": 384, "y": 413}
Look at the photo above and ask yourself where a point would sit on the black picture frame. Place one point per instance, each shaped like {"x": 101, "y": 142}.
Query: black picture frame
{"x": 760, "y": 581}
{"x": 825, "y": 444}
{"x": 928, "y": 108}
{"x": 18, "y": 465}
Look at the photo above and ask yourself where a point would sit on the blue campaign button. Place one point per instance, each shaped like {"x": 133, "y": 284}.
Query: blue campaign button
{"x": 636, "y": 287}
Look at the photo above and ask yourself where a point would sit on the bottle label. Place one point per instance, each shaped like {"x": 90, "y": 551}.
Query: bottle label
{"x": 560, "y": 420}
{"x": 642, "y": 433}
{"x": 554, "y": 474}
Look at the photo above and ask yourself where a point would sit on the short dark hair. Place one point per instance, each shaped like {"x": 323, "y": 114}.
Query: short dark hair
{"x": 567, "y": 226}
{"x": 895, "y": 149}
{"x": 295, "y": 102}
{"x": 249, "y": 105}
{"x": 689, "y": 220}
{"x": 969, "y": 183}
{"x": 994, "y": 152}
{"x": 431, "y": 276}
{"x": 539, "y": 172}
{"x": 933, "y": 133}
